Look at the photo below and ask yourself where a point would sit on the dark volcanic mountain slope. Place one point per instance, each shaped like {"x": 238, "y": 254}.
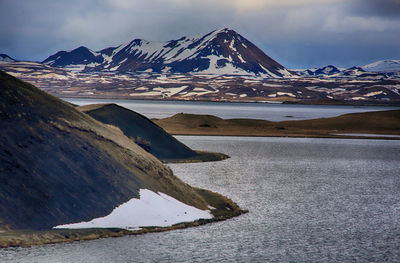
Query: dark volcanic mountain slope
{"x": 78, "y": 56}
{"x": 143, "y": 131}
{"x": 58, "y": 165}
{"x": 218, "y": 52}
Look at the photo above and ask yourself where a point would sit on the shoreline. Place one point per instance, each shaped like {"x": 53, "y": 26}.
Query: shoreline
{"x": 200, "y": 157}
{"x": 28, "y": 238}
{"x": 225, "y": 209}
{"x": 286, "y": 102}
{"x": 380, "y": 137}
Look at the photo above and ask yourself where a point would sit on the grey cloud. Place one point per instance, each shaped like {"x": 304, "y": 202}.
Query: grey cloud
{"x": 383, "y": 8}
{"x": 292, "y": 34}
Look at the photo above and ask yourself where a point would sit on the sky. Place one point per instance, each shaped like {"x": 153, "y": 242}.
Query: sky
{"x": 296, "y": 33}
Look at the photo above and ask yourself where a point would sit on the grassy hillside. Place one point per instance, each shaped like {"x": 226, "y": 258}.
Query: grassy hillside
{"x": 381, "y": 122}
{"x": 143, "y": 131}
{"x": 58, "y": 165}
{"x": 147, "y": 134}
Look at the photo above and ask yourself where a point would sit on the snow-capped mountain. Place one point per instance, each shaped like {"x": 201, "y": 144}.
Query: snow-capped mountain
{"x": 353, "y": 71}
{"x": 5, "y": 58}
{"x": 383, "y": 66}
{"x": 331, "y": 71}
{"x": 220, "y": 52}
{"x": 326, "y": 71}
{"x": 77, "y": 59}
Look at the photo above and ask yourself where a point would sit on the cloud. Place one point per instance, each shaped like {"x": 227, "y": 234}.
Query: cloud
{"x": 252, "y": 5}
{"x": 383, "y": 8}
{"x": 36, "y": 29}
{"x": 347, "y": 24}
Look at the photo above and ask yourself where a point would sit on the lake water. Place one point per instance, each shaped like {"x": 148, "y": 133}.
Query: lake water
{"x": 310, "y": 200}
{"x": 273, "y": 112}
{"x": 369, "y": 135}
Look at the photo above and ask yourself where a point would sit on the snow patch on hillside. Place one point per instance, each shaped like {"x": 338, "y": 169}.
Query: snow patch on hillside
{"x": 151, "y": 209}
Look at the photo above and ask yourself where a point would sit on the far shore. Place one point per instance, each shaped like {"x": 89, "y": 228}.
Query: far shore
{"x": 327, "y": 136}
{"x": 368, "y": 125}
{"x": 284, "y": 100}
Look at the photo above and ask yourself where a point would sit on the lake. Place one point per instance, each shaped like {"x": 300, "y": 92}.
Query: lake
{"x": 310, "y": 200}
{"x": 265, "y": 111}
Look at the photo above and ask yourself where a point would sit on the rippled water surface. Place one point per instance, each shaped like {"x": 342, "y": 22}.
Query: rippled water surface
{"x": 310, "y": 200}
{"x": 264, "y": 111}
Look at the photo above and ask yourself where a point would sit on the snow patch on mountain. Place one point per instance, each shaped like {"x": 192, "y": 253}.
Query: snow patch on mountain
{"x": 228, "y": 69}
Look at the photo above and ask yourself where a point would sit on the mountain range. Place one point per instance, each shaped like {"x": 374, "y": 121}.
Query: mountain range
{"x": 220, "y": 66}
{"x": 380, "y": 67}
{"x": 220, "y": 52}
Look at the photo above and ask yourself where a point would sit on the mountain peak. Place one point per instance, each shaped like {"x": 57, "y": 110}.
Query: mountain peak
{"x": 81, "y": 49}
{"x": 225, "y": 30}
{"x": 327, "y": 70}
{"x": 78, "y": 56}
{"x": 226, "y": 33}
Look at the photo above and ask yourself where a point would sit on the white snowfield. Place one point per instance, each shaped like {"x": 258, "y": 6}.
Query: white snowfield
{"x": 151, "y": 209}
{"x": 387, "y": 65}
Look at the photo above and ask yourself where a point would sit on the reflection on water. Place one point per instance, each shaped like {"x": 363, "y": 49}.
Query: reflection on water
{"x": 264, "y": 111}
{"x": 310, "y": 200}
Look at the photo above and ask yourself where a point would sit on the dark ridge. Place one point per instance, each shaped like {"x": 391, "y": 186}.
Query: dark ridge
{"x": 80, "y": 55}
{"x": 143, "y": 131}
